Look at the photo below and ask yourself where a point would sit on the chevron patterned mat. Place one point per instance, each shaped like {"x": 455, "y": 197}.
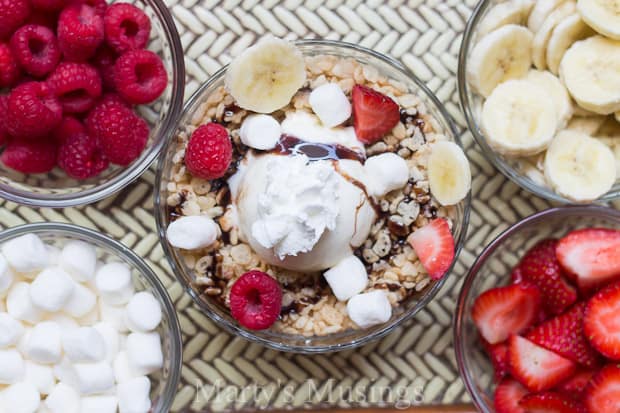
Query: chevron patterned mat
{"x": 413, "y": 366}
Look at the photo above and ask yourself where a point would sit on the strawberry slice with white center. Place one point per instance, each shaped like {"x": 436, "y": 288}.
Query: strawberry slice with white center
{"x": 592, "y": 255}
{"x": 550, "y": 402}
{"x": 507, "y": 396}
{"x": 503, "y": 311}
{"x": 535, "y": 367}
{"x": 576, "y": 385}
{"x": 374, "y": 114}
{"x": 601, "y": 323}
{"x": 434, "y": 246}
{"x": 603, "y": 391}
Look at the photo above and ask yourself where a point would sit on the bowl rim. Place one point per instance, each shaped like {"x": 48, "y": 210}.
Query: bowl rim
{"x": 459, "y": 316}
{"x": 176, "y": 344}
{"x": 135, "y": 170}
{"x": 237, "y": 330}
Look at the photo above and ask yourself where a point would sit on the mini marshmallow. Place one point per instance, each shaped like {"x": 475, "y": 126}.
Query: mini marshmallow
{"x": 110, "y": 338}
{"x": 44, "y": 344}
{"x": 54, "y": 254}
{"x": 51, "y": 290}
{"x": 330, "y": 104}
{"x": 21, "y": 397}
{"x": 113, "y": 315}
{"x": 134, "y": 395}
{"x": 40, "y": 375}
{"x": 192, "y": 232}
{"x": 90, "y": 318}
{"x": 347, "y": 278}
{"x": 63, "y": 399}
{"x": 143, "y": 313}
{"x": 122, "y": 370}
{"x": 6, "y": 276}
{"x": 386, "y": 172}
{"x": 10, "y": 330}
{"x": 93, "y": 378}
{"x": 26, "y": 254}
{"x": 260, "y": 132}
{"x": 63, "y": 321}
{"x": 144, "y": 352}
{"x": 114, "y": 283}
{"x": 83, "y": 344}
{"x": 81, "y": 302}
{"x": 65, "y": 372}
{"x": 370, "y": 308}
{"x": 99, "y": 404}
{"x": 20, "y": 306}
{"x": 11, "y": 367}
{"x": 79, "y": 259}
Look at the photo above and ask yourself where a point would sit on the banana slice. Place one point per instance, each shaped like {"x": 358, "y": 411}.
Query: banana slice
{"x": 503, "y": 54}
{"x": 519, "y": 118}
{"x": 554, "y": 88}
{"x": 579, "y": 167}
{"x": 510, "y": 12}
{"x": 449, "y": 175}
{"x": 542, "y": 9}
{"x": 602, "y": 15}
{"x": 588, "y": 125}
{"x": 590, "y": 69}
{"x": 265, "y": 76}
{"x": 567, "y": 32}
{"x": 542, "y": 36}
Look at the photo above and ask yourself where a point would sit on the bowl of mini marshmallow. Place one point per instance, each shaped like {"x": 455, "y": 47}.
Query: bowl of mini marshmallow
{"x": 85, "y": 325}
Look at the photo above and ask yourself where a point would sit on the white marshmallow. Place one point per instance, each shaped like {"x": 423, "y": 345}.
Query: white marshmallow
{"x": 192, "y": 232}
{"x": 143, "y": 312}
{"x": 79, "y": 259}
{"x": 51, "y": 290}
{"x": 110, "y": 338}
{"x": 6, "y": 276}
{"x": 43, "y": 344}
{"x": 54, "y": 254}
{"x": 93, "y": 378}
{"x": 83, "y": 344}
{"x": 386, "y": 173}
{"x": 99, "y": 404}
{"x": 134, "y": 395}
{"x": 81, "y": 302}
{"x": 122, "y": 370}
{"x": 10, "y": 330}
{"x": 11, "y": 367}
{"x": 63, "y": 399}
{"x": 40, "y": 375}
{"x": 347, "y": 278}
{"x": 370, "y": 308}
{"x": 260, "y": 132}
{"x": 21, "y": 397}
{"x": 90, "y": 318}
{"x": 64, "y": 372}
{"x": 26, "y": 253}
{"x": 20, "y": 306}
{"x": 114, "y": 315}
{"x": 144, "y": 352}
{"x": 114, "y": 283}
{"x": 330, "y": 104}
{"x": 63, "y": 321}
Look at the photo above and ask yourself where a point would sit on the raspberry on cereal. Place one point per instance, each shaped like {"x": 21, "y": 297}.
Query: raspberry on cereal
{"x": 30, "y": 157}
{"x": 209, "y": 152}
{"x": 126, "y": 27}
{"x": 13, "y": 13}
{"x": 140, "y": 76}
{"x": 81, "y": 157}
{"x": 80, "y": 32}
{"x": 33, "y": 111}
{"x": 77, "y": 86}
{"x": 36, "y": 49}
{"x": 9, "y": 71}
{"x": 256, "y": 300}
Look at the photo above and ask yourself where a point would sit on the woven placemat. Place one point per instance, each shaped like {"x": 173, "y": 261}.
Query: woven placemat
{"x": 414, "y": 365}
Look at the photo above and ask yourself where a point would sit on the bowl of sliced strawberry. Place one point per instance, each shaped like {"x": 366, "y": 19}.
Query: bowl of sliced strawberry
{"x": 537, "y": 327}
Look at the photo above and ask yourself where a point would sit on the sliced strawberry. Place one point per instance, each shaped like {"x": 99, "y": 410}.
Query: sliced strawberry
{"x": 507, "y": 396}
{"x": 498, "y": 353}
{"x": 592, "y": 255}
{"x": 601, "y": 323}
{"x": 535, "y": 367}
{"x": 541, "y": 267}
{"x": 434, "y": 246}
{"x": 374, "y": 114}
{"x": 550, "y": 402}
{"x": 575, "y": 386}
{"x": 564, "y": 335}
{"x": 603, "y": 391}
{"x": 503, "y": 311}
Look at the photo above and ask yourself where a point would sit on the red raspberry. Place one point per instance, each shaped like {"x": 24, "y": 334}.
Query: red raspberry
{"x": 126, "y": 27}
{"x": 80, "y": 32}
{"x": 44, "y": 18}
{"x": 9, "y": 71}
{"x": 30, "y": 157}
{"x": 77, "y": 86}
{"x": 81, "y": 157}
{"x": 209, "y": 152}
{"x": 33, "y": 111}
{"x": 100, "y": 6}
{"x": 68, "y": 127}
{"x": 104, "y": 62}
{"x": 13, "y": 13}
{"x": 48, "y": 5}
{"x": 256, "y": 300}
{"x": 140, "y": 76}
{"x": 4, "y": 133}
{"x": 36, "y": 49}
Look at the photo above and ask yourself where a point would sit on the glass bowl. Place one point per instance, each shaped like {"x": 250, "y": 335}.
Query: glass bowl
{"x": 492, "y": 269}
{"x": 471, "y": 104}
{"x": 289, "y": 342}
{"x": 163, "y": 383}
{"x": 56, "y": 189}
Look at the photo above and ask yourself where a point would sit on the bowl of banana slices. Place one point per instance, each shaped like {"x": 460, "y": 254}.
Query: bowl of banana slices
{"x": 539, "y": 84}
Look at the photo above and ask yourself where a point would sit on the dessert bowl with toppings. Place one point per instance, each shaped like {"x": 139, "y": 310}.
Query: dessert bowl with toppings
{"x": 539, "y": 86}
{"x": 314, "y": 196}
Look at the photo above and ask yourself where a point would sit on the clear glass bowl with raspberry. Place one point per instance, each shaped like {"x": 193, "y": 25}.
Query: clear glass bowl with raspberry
{"x": 215, "y": 301}
{"x": 103, "y": 85}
